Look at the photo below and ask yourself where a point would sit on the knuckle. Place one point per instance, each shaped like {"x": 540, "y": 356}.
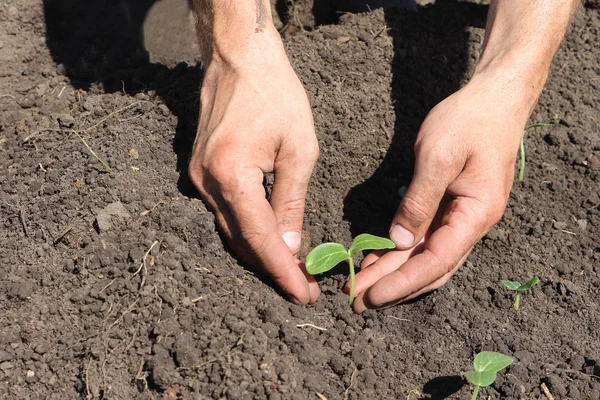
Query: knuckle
{"x": 414, "y": 210}
{"x": 495, "y": 212}
{"x": 312, "y": 152}
{"x": 222, "y": 169}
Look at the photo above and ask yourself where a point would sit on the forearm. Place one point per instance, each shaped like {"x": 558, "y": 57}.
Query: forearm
{"x": 521, "y": 39}
{"x": 232, "y": 27}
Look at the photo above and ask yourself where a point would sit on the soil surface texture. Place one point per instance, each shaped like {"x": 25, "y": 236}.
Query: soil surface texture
{"x": 115, "y": 284}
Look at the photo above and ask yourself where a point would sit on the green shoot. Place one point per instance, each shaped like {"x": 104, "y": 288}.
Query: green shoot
{"x": 520, "y": 288}
{"x": 522, "y": 146}
{"x": 486, "y": 365}
{"x": 327, "y": 255}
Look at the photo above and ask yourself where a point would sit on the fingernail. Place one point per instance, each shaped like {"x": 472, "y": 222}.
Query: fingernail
{"x": 402, "y": 237}
{"x": 292, "y": 239}
{"x": 294, "y": 300}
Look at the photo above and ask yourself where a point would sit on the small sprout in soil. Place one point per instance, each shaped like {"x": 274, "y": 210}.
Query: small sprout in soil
{"x": 522, "y": 145}
{"x": 517, "y": 287}
{"x": 486, "y": 365}
{"x": 327, "y": 255}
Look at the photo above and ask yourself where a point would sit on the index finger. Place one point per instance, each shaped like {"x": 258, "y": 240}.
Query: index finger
{"x": 258, "y": 232}
{"x": 462, "y": 226}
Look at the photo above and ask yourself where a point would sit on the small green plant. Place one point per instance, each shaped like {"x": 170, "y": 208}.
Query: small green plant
{"x": 520, "y": 288}
{"x": 327, "y": 255}
{"x": 486, "y": 365}
{"x": 522, "y": 145}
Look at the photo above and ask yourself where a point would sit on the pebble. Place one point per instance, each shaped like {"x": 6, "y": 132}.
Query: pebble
{"x": 42, "y": 348}
{"x": 6, "y": 365}
{"x": 5, "y": 356}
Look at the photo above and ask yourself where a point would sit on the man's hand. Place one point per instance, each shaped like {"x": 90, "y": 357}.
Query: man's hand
{"x": 255, "y": 119}
{"x": 465, "y": 155}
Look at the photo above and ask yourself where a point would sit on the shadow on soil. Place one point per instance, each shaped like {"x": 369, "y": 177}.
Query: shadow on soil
{"x": 430, "y": 62}
{"x": 443, "y": 387}
{"x": 99, "y": 45}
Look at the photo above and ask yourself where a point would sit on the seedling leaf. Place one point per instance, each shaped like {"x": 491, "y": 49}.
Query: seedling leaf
{"x": 480, "y": 378}
{"x": 529, "y": 284}
{"x": 490, "y": 361}
{"x": 512, "y": 285}
{"x": 366, "y": 241}
{"x": 324, "y": 257}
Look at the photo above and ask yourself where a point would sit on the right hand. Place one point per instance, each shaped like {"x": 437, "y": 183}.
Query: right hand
{"x": 255, "y": 119}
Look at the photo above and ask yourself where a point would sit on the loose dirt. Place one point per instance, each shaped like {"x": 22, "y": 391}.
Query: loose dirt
{"x": 115, "y": 284}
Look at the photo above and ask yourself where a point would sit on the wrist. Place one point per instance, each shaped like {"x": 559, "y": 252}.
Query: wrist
{"x": 519, "y": 80}
{"x": 242, "y": 31}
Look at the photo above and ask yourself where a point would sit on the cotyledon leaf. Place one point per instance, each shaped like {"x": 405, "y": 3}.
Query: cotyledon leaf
{"x": 491, "y": 361}
{"x": 366, "y": 241}
{"x": 529, "y": 284}
{"x": 512, "y": 285}
{"x": 480, "y": 378}
{"x": 324, "y": 257}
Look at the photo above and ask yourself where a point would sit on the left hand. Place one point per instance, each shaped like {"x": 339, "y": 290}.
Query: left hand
{"x": 465, "y": 155}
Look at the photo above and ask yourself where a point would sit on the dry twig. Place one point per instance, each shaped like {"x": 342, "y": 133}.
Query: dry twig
{"x": 143, "y": 266}
{"x": 546, "y": 391}
{"x": 350, "y": 384}
{"x": 312, "y": 326}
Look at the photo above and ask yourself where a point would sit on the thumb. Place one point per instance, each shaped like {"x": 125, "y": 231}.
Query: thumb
{"x": 287, "y": 200}
{"x": 421, "y": 201}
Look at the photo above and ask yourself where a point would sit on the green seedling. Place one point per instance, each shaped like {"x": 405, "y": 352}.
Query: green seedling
{"x": 327, "y": 255}
{"x": 517, "y": 287}
{"x": 522, "y": 146}
{"x": 486, "y": 365}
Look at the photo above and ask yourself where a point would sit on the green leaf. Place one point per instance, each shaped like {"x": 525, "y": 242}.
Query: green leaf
{"x": 490, "y": 361}
{"x": 512, "y": 285}
{"x": 480, "y": 378}
{"x": 324, "y": 257}
{"x": 370, "y": 242}
{"x": 529, "y": 284}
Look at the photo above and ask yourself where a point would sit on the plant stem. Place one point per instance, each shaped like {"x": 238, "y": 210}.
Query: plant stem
{"x": 517, "y": 301}
{"x": 475, "y": 392}
{"x": 522, "y": 146}
{"x": 538, "y": 124}
{"x": 351, "y": 264}
{"x": 522, "y": 152}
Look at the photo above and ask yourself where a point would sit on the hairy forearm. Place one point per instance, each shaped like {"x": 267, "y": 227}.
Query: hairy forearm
{"x": 521, "y": 39}
{"x": 231, "y": 27}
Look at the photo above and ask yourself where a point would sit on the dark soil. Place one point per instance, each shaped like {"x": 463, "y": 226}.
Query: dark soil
{"x": 77, "y": 322}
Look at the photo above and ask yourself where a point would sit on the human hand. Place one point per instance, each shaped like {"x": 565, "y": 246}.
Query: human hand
{"x": 465, "y": 155}
{"x": 255, "y": 119}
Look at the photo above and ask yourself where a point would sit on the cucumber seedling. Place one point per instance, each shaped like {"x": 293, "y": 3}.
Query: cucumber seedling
{"x": 518, "y": 288}
{"x": 327, "y": 255}
{"x": 486, "y": 365}
{"x": 522, "y": 146}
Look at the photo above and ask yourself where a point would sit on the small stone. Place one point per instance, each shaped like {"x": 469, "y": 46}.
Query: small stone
{"x": 5, "y": 356}
{"x": 186, "y": 302}
{"x": 13, "y": 12}
{"x": 559, "y": 225}
{"x": 582, "y": 223}
{"x": 164, "y": 109}
{"x": 104, "y": 219}
{"x": 42, "y": 348}
{"x": 6, "y": 365}
{"x": 65, "y": 121}
{"x": 524, "y": 356}
{"x": 30, "y": 374}
{"x": 21, "y": 290}
{"x": 133, "y": 153}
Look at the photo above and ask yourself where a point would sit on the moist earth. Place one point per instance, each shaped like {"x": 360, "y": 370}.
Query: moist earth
{"x": 115, "y": 283}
